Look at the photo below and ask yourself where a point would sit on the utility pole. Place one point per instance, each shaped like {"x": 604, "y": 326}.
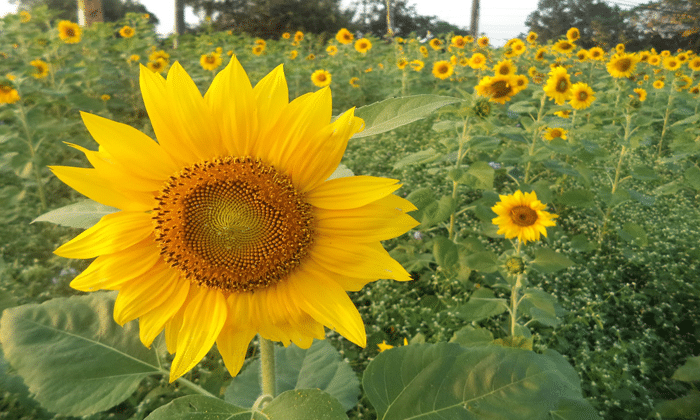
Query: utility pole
{"x": 179, "y": 20}
{"x": 89, "y": 11}
{"x": 389, "y": 19}
{"x": 474, "y": 30}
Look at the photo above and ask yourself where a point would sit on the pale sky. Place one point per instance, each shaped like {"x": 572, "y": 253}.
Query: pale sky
{"x": 500, "y": 20}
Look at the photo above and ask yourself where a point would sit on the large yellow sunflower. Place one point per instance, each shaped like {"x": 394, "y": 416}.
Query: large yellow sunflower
{"x": 582, "y": 96}
{"x": 522, "y": 216}
{"x": 442, "y": 69}
{"x": 344, "y": 36}
{"x": 230, "y": 226}
{"x": 69, "y": 32}
{"x": 498, "y": 88}
{"x": 505, "y": 68}
{"x": 622, "y": 64}
{"x": 558, "y": 85}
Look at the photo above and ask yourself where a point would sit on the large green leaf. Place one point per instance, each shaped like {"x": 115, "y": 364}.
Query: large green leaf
{"x": 73, "y": 357}
{"x": 83, "y": 214}
{"x": 447, "y": 381}
{"x": 548, "y": 261}
{"x": 689, "y": 372}
{"x": 291, "y": 405}
{"x": 320, "y": 366}
{"x": 392, "y": 113}
{"x": 482, "y": 305}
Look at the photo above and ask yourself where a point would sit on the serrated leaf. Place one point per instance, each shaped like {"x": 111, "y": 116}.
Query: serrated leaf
{"x": 632, "y": 232}
{"x": 74, "y": 358}
{"x": 392, "y": 113}
{"x": 548, "y": 261}
{"x": 472, "y": 337}
{"x": 577, "y": 198}
{"x": 320, "y": 366}
{"x": 446, "y": 252}
{"x": 685, "y": 407}
{"x": 692, "y": 177}
{"x": 481, "y": 174}
{"x": 83, "y": 214}
{"x": 447, "y": 381}
{"x": 689, "y": 372}
{"x": 481, "y": 305}
{"x": 688, "y": 120}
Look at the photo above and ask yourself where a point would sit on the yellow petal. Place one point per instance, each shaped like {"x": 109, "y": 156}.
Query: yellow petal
{"x": 350, "y": 192}
{"x": 233, "y": 346}
{"x": 112, "y": 270}
{"x": 271, "y": 96}
{"x": 130, "y": 147}
{"x": 94, "y": 185}
{"x": 369, "y": 261}
{"x": 201, "y": 324}
{"x": 145, "y": 293}
{"x": 232, "y": 102}
{"x": 328, "y": 303}
{"x": 381, "y": 220}
{"x": 153, "y": 322}
{"x": 113, "y": 233}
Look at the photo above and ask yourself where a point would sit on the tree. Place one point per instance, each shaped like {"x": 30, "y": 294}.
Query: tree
{"x": 370, "y": 17}
{"x": 674, "y": 23}
{"x": 599, "y": 24}
{"x": 112, "y": 10}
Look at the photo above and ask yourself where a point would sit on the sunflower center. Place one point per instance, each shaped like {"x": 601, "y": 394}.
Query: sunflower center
{"x": 562, "y": 86}
{"x": 500, "y": 89}
{"x": 624, "y": 64}
{"x": 210, "y": 59}
{"x": 523, "y": 216}
{"x": 70, "y": 32}
{"x": 321, "y": 77}
{"x": 232, "y": 224}
{"x": 504, "y": 70}
{"x": 582, "y": 95}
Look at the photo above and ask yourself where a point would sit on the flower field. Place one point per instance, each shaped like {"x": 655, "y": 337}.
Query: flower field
{"x": 546, "y": 222}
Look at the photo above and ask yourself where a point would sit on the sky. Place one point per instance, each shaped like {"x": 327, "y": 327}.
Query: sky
{"x": 500, "y": 20}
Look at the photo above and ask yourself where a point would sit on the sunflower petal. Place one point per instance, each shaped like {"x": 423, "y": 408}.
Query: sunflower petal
{"x": 271, "y": 96}
{"x": 145, "y": 293}
{"x": 369, "y": 261}
{"x": 351, "y": 192}
{"x": 201, "y": 324}
{"x": 113, "y": 233}
{"x": 153, "y": 322}
{"x": 233, "y": 346}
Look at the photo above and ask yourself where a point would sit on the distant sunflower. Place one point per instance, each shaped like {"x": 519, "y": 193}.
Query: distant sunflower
{"x": 402, "y": 63}
{"x": 522, "y": 216}
{"x": 423, "y": 50}
{"x": 210, "y": 61}
{"x": 321, "y": 78}
{"x": 531, "y": 38}
{"x": 8, "y": 94}
{"x": 159, "y": 55}
{"x": 483, "y": 42}
{"x": 354, "y": 82}
{"x": 596, "y": 53}
{"x": 682, "y": 83}
{"x": 694, "y": 64}
{"x": 622, "y": 65}
{"x": 497, "y": 88}
{"x": 157, "y": 66}
{"x": 573, "y": 34}
{"x": 539, "y": 55}
{"x": 558, "y": 87}
{"x": 229, "y": 225}
{"x": 298, "y": 36}
{"x": 435, "y": 44}
{"x": 257, "y": 50}
{"x": 458, "y": 41}
{"x": 417, "y": 65}
{"x": 41, "y": 68}
{"x": 332, "y": 50}
{"x": 442, "y": 69}
{"x": 563, "y": 114}
{"x": 640, "y": 94}
{"x": 671, "y": 63}
{"x": 563, "y": 46}
{"x": 505, "y": 68}
{"x": 477, "y": 61}
{"x": 69, "y": 32}
{"x": 519, "y": 82}
{"x": 644, "y": 56}
{"x": 582, "y": 96}
{"x": 658, "y": 84}
{"x": 24, "y": 16}
{"x": 126, "y": 32}
{"x": 654, "y": 59}
{"x": 582, "y": 55}
{"x": 555, "y": 133}
{"x": 620, "y": 48}
{"x": 286, "y": 35}
{"x": 344, "y": 36}
{"x": 363, "y": 45}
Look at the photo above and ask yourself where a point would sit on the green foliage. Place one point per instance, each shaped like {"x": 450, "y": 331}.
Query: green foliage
{"x": 82, "y": 214}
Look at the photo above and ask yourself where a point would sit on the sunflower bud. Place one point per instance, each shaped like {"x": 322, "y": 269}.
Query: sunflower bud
{"x": 482, "y": 109}
{"x": 515, "y": 265}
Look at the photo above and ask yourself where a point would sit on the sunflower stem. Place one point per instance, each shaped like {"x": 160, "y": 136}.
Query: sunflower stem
{"x": 514, "y": 301}
{"x": 191, "y": 385}
{"x": 267, "y": 366}
{"x": 535, "y": 132}
{"x": 665, "y": 126}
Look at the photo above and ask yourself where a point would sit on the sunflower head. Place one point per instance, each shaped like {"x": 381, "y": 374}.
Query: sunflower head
{"x": 24, "y": 16}
{"x": 41, "y": 68}
{"x": 483, "y": 41}
{"x": 69, "y": 32}
{"x": 363, "y": 45}
{"x": 321, "y": 78}
{"x": 558, "y": 87}
{"x": 332, "y": 50}
{"x": 442, "y": 69}
{"x": 564, "y": 46}
{"x": 573, "y": 34}
{"x": 596, "y": 53}
{"x": 505, "y": 68}
{"x": 210, "y": 61}
{"x": 126, "y": 32}
{"x": 344, "y": 36}
{"x": 531, "y": 37}
{"x": 498, "y": 88}
{"x": 622, "y": 65}
{"x": 671, "y": 63}
{"x": 555, "y": 133}
{"x": 435, "y": 44}
{"x": 521, "y": 215}
{"x": 8, "y": 94}
{"x": 581, "y": 96}
{"x": 417, "y": 65}
{"x": 458, "y": 41}
{"x": 354, "y": 82}
{"x": 298, "y": 36}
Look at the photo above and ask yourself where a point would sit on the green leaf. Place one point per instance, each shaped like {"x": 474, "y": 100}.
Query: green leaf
{"x": 320, "y": 366}
{"x": 447, "y": 381}
{"x": 481, "y": 174}
{"x": 424, "y": 156}
{"x": 485, "y": 262}
{"x": 541, "y": 306}
{"x": 74, "y": 358}
{"x": 548, "y": 261}
{"x": 689, "y": 372}
{"x": 437, "y": 211}
{"x": 290, "y": 405}
{"x": 577, "y": 198}
{"x": 392, "y": 113}
{"x": 472, "y": 337}
{"x": 482, "y": 305}
{"x": 692, "y": 177}
{"x": 581, "y": 243}
{"x": 446, "y": 252}
{"x": 644, "y": 173}
{"x": 685, "y": 407}
{"x": 83, "y": 214}
{"x": 688, "y": 120}
{"x": 632, "y": 232}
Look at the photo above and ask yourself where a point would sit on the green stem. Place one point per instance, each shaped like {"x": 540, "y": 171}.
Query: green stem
{"x": 267, "y": 366}
{"x": 191, "y": 385}
{"x": 514, "y": 301}
{"x": 458, "y": 163}
{"x": 665, "y": 126}
{"x": 535, "y": 133}
{"x": 32, "y": 153}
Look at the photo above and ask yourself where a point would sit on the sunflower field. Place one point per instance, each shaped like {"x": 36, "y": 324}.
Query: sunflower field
{"x": 462, "y": 232}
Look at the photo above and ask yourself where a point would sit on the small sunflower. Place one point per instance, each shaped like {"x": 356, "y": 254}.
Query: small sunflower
{"x": 401, "y": 63}
{"x": 582, "y": 96}
{"x": 424, "y": 51}
{"x": 332, "y": 50}
{"x": 210, "y": 61}
{"x": 477, "y": 61}
{"x": 105, "y": 97}
{"x": 582, "y": 55}
{"x": 519, "y": 82}
{"x": 286, "y": 35}
{"x": 469, "y": 39}
{"x": 354, "y": 82}
{"x": 134, "y": 58}
{"x": 24, "y": 16}
{"x": 8, "y": 94}
{"x": 644, "y": 56}
{"x": 622, "y": 64}
{"x": 531, "y": 38}
{"x": 671, "y": 63}
{"x": 293, "y": 54}
{"x": 654, "y": 59}
{"x": 442, "y": 69}
{"x": 311, "y": 57}
{"x": 229, "y": 226}
{"x": 596, "y": 53}
{"x": 658, "y": 84}
{"x": 458, "y": 41}
{"x": 363, "y": 45}
{"x": 558, "y": 87}
{"x": 505, "y": 68}
{"x": 298, "y": 36}
{"x": 563, "y": 114}
{"x": 640, "y": 94}
{"x": 159, "y": 55}
{"x": 157, "y": 66}
{"x": 344, "y": 36}
{"x": 555, "y": 133}
{"x": 620, "y": 48}
{"x": 539, "y": 54}
{"x": 435, "y": 44}
{"x": 483, "y": 42}
{"x": 41, "y": 68}
{"x": 694, "y": 64}
{"x": 257, "y": 50}
{"x": 261, "y": 42}
{"x": 126, "y": 32}
{"x": 417, "y": 65}
{"x": 682, "y": 83}
{"x": 321, "y": 78}
{"x": 564, "y": 46}
{"x": 69, "y": 32}
{"x": 573, "y": 34}
{"x": 522, "y": 216}
{"x": 498, "y": 88}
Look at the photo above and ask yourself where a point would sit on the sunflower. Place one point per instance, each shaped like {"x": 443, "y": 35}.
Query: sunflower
{"x": 665, "y": 53}
{"x": 558, "y": 87}
{"x": 442, "y": 69}
{"x": 573, "y": 34}
{"x": 363, "y": 45}
{"x": 321, "y": 78}
{"x": 69, "y": 32}
{"x": 261, "y": 42}
{"x": 641, "y": 94}
{"x": 654, "y": 59}
{"x": 695, "y": 90}
{"x": 683, "y": 82}
{"x": 210, "y": 61}
{"x": 581, "y": 96}
{"x": 483, "y": 42}
{"x": 105, "y": 97}
{"x": 555, "y": 133}
{"x": 582, "y": 55}
{"x": 332, "y": 50}
{"x": 477, "y": 61}
{"x": 596, "y": 53}
{"x": 417, "y": 65}
{"x": 257, "y": 50}
{"x": 310, "y": 57}
{"x": 229, "y": 225}
{"x": 8, "y": 94}
{"x": 620, "y": 48}
{"x": 469, "y": 39}
{"x": 658, "y": 84}
{"x": 134, "y": 57}
{"x": 694, "y": 64}
{"x": 531, "y": 38}
{"x": 157, "y": 66}
{"x": 504, "y": 68}
{"x": 644, "y": 56}
{"x": 402, "y": 63}
{"x": 41, "y": 68}
{"x": 539, "y": 55}
{"x": 298, "y": 36}
{"x": 519, "y": 82}
{"x": 682, "y": 57}
{"x": 286, "y": 35}
{"x": 463, "y": 61}
{"x": 498, "y": 88}
{"x": 563, "y": 46}
{"x": 622, "y": 64}
{"x": 458, "y": 41}
{"x": 423, "y": 50}
{"x": 293, "y": 54}
{"x": 671, "y": 63}
{"x": 159, "y": 55}
{"x": 522, "y": 216}
{"x": 354, "y": 82}
{"x": 435, "y": 44}
{"x": 24, "y": 16}
{"x": 563, "y": 114}
{"x": 344, "y": 36}
{"x": 126, "y": 32}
